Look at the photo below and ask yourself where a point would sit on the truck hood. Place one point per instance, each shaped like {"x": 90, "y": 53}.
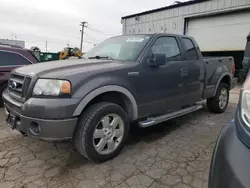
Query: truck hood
{"x": 55, "y": 69}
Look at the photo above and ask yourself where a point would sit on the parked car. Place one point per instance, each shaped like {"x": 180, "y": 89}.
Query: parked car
{"x": 229, "y": 166}
{"x": 133, "y": 78}
{"x": 12, "y": 57}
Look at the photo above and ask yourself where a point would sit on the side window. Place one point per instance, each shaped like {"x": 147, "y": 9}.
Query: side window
{"x": 10, "y": 59}
{"x": 167, "y": 45}
{"x": 191, "y": 50}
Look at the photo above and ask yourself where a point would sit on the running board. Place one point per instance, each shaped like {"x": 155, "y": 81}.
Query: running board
{"x": 155, "y": 120}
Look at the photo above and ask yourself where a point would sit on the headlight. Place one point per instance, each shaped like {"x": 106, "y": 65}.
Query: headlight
{"x": 49, "y": 87}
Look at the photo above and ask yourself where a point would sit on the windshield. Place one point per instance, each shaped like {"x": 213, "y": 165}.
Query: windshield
{"x": 125, "y": 48}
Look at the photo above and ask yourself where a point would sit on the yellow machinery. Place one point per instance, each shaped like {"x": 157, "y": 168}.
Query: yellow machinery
{"x": 70, "y": 52}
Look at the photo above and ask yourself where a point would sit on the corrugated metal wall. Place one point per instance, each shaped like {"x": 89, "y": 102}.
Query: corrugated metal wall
{"x": 172, "y": 20}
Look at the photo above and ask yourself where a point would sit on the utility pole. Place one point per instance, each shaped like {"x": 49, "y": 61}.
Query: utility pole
{"x": 82, "y": 32}
{"x": 46, "y": 46}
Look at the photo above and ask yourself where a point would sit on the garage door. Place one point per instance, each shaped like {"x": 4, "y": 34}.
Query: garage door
{"x": 225, "y": 32}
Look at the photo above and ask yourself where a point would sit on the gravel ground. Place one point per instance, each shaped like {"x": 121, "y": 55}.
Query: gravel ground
{"x": 175, "y": 154}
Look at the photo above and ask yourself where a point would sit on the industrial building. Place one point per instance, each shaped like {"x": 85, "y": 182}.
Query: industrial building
{"x": 220, "y": 27}
{"x": 13, "y": 42}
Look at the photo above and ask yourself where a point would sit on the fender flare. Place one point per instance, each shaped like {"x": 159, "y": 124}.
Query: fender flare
{"x": 219, "y": 81}
{"x": 84, "y": 102}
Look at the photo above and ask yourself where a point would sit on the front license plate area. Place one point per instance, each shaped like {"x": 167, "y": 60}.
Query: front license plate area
{"x": 11, "y": 120}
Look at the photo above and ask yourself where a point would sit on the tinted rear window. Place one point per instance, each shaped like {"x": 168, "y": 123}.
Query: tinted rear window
{"x": 247, "y": 51}
{"x": 191, "y": 50}
{"x": 12, "y": 59}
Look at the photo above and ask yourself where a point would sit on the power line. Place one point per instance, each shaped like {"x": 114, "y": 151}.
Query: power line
{"x": 91, "y": 37}
{"x": 101, "y": 32}
{"x": 94, "y": 29}
{"x": 88, "y": 42}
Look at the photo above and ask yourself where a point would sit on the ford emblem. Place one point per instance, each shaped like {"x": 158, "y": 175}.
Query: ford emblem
{"x": 13, "y": 85}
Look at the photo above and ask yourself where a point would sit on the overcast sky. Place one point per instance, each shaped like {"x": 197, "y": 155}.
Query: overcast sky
{"x": 57, "y": 21}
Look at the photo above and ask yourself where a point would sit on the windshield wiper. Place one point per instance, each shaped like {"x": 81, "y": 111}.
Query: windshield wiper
{"x": 101, "y": 57}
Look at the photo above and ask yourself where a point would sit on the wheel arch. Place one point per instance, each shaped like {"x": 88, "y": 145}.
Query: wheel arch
{"x": 126, "y": 95}
{"x": 224, "y": 78}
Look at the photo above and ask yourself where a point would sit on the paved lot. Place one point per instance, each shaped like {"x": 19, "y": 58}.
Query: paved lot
{"x": 175, "y": 154}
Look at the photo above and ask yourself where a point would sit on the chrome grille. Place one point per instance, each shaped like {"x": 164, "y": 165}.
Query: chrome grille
{"x": 18, "y": 87}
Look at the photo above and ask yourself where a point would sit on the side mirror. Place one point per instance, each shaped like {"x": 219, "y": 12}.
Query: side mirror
{"x": 158, "y": 59}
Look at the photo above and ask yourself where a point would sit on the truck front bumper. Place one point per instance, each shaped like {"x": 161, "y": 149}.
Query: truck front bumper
{"x": 47, "y": 128}
{"x": 230, "y": 167}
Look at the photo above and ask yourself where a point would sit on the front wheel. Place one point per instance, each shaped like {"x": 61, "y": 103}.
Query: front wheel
{"x": 101, "y": 131}
{"x": 219, "y": 102}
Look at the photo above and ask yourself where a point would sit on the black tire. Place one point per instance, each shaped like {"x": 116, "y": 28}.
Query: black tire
{"x": 83, "y": 137}
{"x": 213, "y": 103}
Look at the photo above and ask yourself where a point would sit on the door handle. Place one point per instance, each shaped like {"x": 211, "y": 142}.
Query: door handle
{"x": 184, "y": 72}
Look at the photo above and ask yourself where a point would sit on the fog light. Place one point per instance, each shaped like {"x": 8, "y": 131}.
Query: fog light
{"x": 34, "y": 128}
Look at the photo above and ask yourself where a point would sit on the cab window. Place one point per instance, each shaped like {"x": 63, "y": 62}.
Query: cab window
{"x": 167, "y": 45}
{"x": 191, "y": 50}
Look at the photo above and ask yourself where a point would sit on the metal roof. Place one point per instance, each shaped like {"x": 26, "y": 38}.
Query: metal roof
{"x": 166, "y": 8}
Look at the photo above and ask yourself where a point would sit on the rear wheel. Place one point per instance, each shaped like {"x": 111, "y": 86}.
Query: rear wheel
{"x": 101, "y": 131}
{"x": 219, "y": 102}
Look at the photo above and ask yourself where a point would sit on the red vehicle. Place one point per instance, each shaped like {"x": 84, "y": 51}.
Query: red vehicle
{"x": 12, "y": 57}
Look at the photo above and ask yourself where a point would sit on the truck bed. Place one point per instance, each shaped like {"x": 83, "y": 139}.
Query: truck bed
{"x": 213, "y": 63}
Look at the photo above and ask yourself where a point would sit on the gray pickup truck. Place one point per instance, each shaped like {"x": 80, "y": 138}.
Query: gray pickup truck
{"x": 145, "y": 79}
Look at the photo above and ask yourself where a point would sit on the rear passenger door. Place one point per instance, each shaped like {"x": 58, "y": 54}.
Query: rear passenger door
{"x": 194, "y": 82}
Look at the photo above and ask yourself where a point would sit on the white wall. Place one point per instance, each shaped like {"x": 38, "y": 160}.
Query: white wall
{"x": 172, "y": 20}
